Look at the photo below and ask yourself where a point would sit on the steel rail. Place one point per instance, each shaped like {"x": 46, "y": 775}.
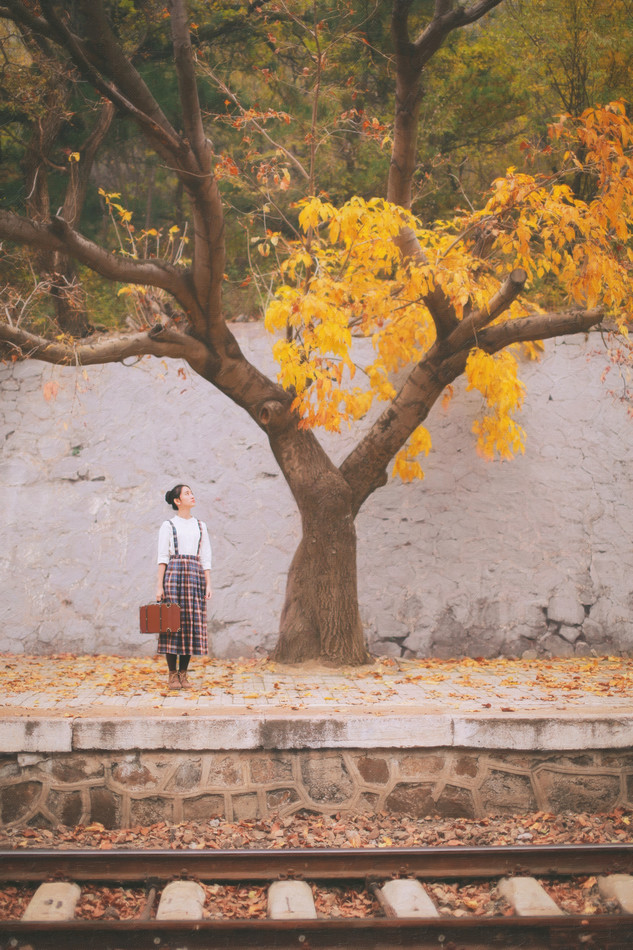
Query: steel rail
{"x": 569, "y": 932}
{"x": 606, "y": 932}
{"x": 315, "y": 863}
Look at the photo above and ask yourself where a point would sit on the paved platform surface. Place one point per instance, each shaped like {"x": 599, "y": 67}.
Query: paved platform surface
{"x": 123, "y": 702}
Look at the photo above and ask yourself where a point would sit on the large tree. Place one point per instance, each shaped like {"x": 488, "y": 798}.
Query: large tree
{"x": 438, "y": 303}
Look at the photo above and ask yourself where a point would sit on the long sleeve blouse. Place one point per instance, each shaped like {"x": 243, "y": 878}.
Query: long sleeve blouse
{"x": 188, "y": 538}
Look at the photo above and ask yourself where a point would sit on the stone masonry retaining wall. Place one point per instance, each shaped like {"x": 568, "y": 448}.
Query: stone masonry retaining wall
{"x": 532, "y": 557}
{"x": 122, "y": 790}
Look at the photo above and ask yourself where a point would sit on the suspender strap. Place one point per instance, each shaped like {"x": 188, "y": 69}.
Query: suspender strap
{"x": 175, "y": 534}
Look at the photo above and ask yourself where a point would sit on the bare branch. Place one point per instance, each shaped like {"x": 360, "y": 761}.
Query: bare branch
{"x": 80, "y": 171}
{"x": 257, "y": 125}
{"x": 57, "y": 235}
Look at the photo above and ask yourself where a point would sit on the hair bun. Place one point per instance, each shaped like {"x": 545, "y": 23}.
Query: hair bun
{"x": 173, "y": 494}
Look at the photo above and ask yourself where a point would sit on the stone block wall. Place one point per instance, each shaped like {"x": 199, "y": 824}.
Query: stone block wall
{"x": 530, "y": 557}
{"x": 122, "y": 790}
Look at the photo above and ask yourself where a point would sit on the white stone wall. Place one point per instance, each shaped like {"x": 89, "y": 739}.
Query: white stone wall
{"x": 478, "y": 559}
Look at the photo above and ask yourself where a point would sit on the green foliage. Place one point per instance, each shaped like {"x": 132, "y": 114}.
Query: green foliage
{"x": 498, "y": 85}
{"x": 297, "y": 99}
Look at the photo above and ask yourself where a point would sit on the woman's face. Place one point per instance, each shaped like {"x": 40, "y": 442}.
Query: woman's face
{"x": 186, "y": 498}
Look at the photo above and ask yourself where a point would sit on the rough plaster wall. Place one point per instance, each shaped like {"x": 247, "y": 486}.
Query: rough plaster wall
{"x": 480, "y": 558}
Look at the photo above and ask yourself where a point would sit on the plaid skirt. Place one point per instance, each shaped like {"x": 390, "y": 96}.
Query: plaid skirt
{"x": 185, "y": 584}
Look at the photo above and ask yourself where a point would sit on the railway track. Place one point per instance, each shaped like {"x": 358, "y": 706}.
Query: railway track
{"x": 401, "y": 921}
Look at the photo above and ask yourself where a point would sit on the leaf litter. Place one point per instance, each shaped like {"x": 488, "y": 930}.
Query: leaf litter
{"x": 74, "y": 682}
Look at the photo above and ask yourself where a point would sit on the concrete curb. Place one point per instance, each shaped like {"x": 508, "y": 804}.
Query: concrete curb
{"x": 319, "y": 730}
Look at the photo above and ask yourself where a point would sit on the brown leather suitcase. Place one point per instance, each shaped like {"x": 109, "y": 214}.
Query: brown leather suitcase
{"x": 161, "y": 617}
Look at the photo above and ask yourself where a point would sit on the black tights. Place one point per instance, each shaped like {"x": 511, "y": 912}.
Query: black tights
{"x": 172, "y": 659}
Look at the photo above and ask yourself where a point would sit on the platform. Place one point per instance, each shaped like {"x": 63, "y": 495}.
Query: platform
{"x": 102, "y": 739}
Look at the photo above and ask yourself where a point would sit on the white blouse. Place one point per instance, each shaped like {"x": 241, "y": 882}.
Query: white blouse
{"x": 188, "y": 538}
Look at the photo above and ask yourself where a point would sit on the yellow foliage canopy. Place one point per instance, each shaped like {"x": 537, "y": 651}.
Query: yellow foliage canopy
{"x": 348, "y": 278}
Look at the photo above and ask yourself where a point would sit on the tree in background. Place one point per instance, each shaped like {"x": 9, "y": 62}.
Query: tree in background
{"x": 437, "y": 301}
{"x": 36, "y": 93}
{"x": 497, "y": 86}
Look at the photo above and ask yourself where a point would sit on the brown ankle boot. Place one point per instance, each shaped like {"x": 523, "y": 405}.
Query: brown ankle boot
{"x": 184, "y": 682}
{"x": 174, "y": 681}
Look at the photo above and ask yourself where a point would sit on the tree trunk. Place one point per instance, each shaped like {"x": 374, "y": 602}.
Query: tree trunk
{"x": 320, "y": 617}
{"x": 69, "y": 297}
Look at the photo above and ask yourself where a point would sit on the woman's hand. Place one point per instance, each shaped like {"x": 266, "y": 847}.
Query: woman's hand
{"x": 208, "y": 593}
{"x": 160, "y": 593}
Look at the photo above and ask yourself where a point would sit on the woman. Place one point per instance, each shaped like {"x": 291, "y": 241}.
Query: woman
{"x": 184, "y": 578}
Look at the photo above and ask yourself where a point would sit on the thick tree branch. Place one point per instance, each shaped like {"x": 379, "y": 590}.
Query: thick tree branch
{"x": 448, "y": 17}
{"x": 466, "y": 331}
{"x": 265, "y": 401}
{"x": 148, "y": 114}
{"x": 187, "y": 85}
{"x": 439, "y": 306}
{"x": 411, "y": 57}
{"x": 105, "y": 349}
{"x": 17, "y": 13}
{"x": 540, "y": 326}
{"x": 103, "y": 51}
{"x": 365, "y": 468}
{"x": 478, "y": 10}
{"x": 100, "y": 59}
{"x": 400, "y": 29}
{"x": 190, "y": 156}
{"x": 208, "y": 214}
{"x": 57, "y": 235}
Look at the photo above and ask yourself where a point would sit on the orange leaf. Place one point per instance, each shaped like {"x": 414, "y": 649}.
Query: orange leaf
{"x": 50, "y": 390}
